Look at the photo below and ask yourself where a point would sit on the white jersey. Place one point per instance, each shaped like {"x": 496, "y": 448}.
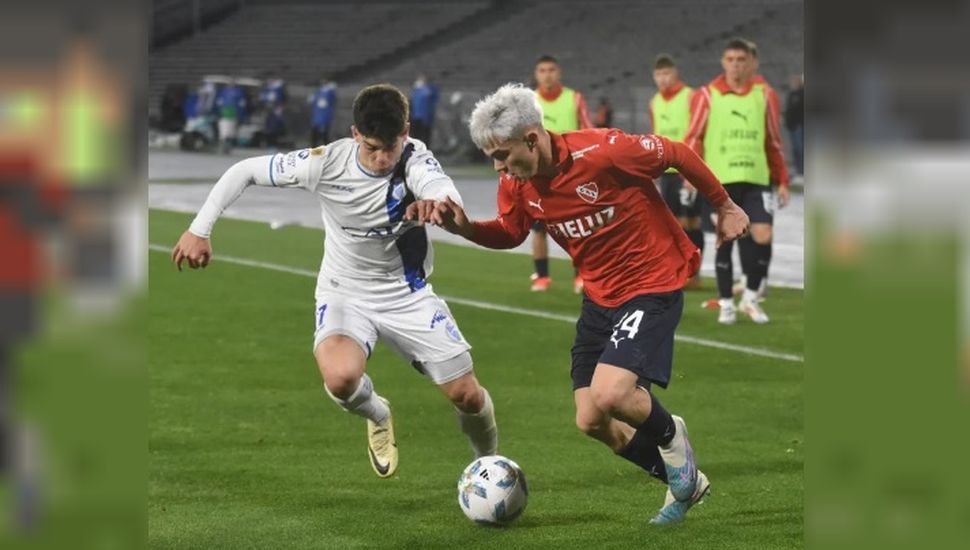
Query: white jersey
{"x": 370, "y": 252}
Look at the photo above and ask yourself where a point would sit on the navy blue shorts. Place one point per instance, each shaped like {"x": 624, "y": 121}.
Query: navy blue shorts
{"x": 637, "y": 336}
{"x": 757, "y": 201}
{"x": 670, "y": 186}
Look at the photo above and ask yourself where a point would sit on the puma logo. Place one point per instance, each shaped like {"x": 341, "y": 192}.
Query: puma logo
{"x": 537, "y": 205}
{"x": 616, "y": 341}
{"x": 737, "y": 113}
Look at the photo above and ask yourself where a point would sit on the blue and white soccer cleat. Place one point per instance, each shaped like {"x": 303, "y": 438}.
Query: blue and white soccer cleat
{"x": 681, "y": 468}
{"x": 675, "y": 510}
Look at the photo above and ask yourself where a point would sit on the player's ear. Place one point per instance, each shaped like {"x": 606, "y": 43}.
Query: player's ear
{"x": 407, "y": 130}
{"x": 354, "y": 132}
{"x": 531, "y": 138}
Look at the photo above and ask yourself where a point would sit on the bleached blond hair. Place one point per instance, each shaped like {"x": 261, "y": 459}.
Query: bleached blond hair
{"x": 505, "y": 114}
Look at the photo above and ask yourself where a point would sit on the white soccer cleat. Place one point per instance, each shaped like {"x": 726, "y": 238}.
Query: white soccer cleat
{"x": 750, "y": 307}
{"x": 728, "y": 314}
{"x": 381, "y": 446}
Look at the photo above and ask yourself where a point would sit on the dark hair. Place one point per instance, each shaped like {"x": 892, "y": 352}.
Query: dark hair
{"x": 746, "y": 46}
{"x": 381, "y": 111}
{"x": 547, "y": 59}
{"x": 664, "y": 61}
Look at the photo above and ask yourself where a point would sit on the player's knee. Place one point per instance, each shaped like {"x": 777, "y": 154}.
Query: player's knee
{"x": 589, "y": 424}
{"x": 761, "y": 233}
{"x": 341, "y": 384}
{"x": 467, "y": 396}
{"x": 339, "y": 361}
{"x": 609, "y": 398}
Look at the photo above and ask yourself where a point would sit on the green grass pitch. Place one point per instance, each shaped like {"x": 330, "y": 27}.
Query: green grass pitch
{"x": 247, "y": 451}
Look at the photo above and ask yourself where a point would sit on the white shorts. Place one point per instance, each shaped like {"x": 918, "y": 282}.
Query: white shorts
{"x": 422, "y": 331}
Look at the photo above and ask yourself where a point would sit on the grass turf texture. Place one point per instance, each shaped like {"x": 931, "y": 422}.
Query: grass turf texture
{"x": 247, "y": 451}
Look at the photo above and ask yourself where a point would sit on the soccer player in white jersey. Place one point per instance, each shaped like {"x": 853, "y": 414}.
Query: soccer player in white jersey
{"x": 375, "y": 265}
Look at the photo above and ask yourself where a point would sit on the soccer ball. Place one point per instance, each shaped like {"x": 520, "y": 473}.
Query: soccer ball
{"x": 492, "y": 490}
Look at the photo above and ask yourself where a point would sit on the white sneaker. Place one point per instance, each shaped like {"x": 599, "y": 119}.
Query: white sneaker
{"x": 381, "y": 445}
{"x": 750, "y": 307}
{"x": 728, "y": 315}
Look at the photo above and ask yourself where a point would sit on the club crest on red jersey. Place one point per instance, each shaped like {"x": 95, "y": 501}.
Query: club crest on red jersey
{"x": 589, "y": 192}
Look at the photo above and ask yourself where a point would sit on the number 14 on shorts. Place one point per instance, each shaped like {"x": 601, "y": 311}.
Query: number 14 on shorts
{"x": 629, "y": 324}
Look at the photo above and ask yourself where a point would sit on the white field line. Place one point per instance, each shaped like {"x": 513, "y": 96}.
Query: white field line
{"x": 761, "y": 352}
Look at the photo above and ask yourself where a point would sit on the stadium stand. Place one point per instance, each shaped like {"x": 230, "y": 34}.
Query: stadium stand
{"x": 472, "y": 46}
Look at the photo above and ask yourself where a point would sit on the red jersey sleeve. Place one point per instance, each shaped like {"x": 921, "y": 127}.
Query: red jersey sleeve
{"x": 511, "y": 227}
{"x": 647, "y": 156}
{"x": 773, "y": 149}
{"x": 653, "y": 125}
{"x": 582, "y": 113}
{"x": 700, "y": 107}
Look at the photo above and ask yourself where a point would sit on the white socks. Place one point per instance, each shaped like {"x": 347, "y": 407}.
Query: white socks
{"x": 749, "y": 295}
{"x": 364, "y": 401}
{"x": 675, "y": 453}
{"x": 480, "y": 427}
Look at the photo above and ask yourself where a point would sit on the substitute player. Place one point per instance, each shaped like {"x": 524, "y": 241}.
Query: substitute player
{"x": 600, "y": 203}
{"x": 735, "y": 126}
{"x": 563, "y": 110}
{"x": 373, "y": 277}
{"x": 669, "y": 112}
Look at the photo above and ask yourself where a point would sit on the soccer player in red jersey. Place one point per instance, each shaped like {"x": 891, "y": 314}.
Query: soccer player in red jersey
{"x": 593, "y": 190}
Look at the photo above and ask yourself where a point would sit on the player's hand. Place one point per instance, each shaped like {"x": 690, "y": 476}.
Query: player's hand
{"x": 197, "y": 251}
{"x": 451, "y": 217}
{"x": 420, "y": 210}
{"x": 784, "y": 196}
{"x": 732, "y": 222}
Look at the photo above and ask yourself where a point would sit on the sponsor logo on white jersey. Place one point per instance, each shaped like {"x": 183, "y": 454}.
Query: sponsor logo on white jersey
{"x": 379, "y": 232}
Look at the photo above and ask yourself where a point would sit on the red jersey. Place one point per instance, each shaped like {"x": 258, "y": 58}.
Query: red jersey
{"x": 604, "y": 209}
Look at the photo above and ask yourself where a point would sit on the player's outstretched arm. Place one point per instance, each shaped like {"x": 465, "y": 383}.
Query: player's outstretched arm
{"x": 232, "y": 184}
{"x": 279, "y": 170}
{"x": 499, "y": 233}
{"x": 195, "y": 250}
